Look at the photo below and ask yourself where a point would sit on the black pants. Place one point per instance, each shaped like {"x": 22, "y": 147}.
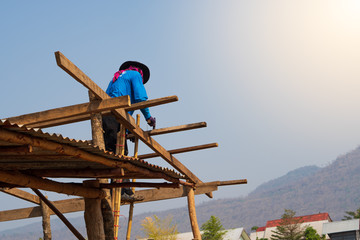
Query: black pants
{"x": 111, "y": 127}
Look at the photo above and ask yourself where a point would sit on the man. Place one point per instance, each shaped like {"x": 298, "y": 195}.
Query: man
{"x": 129, "y": 80}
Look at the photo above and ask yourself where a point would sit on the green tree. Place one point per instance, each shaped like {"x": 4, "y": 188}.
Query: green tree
{"x": 213, "y": 229}
{"x": 352, "y": 215}
{"x": 159, "y": 229}
{"x": 289, "y": 227}
{"x": 311, "y": 234}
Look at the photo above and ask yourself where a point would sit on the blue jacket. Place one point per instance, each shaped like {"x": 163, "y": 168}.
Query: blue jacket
{"x": 130, "y": 83}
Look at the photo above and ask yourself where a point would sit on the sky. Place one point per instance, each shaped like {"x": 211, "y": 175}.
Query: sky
{"x": 276, "y": 81}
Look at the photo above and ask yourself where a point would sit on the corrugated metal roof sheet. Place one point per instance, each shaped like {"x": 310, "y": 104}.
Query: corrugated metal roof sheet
{"x": 83, "y": 145}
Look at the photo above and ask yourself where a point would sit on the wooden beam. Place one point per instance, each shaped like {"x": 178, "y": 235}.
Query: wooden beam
{"x": 174, "y": 129}
{"x": 23, "y": 180}
{"x": 22, "y": 195}
{"x": 168, "y": 193}
{"x": 181, "y": 150}
{"x": 84, "y": 117}
{"x": 225, "y": 183}
{"x": 64, "y": 206}
{"x": 151, "y": 103}
{"x": 77, "y": 204}
{"x": 59, "y": 214}
{"x": 70, "y": 111}
{"x": 123, "y": 117}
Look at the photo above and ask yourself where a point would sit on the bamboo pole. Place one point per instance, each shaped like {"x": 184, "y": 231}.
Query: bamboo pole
{"x": 131, "y": 208}
{"x": 192, "y": 213}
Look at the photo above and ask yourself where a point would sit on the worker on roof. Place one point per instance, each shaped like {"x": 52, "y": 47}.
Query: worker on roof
{"x": 129, "y": 80}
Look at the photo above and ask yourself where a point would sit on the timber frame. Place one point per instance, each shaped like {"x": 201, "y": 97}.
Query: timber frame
{"x": 31, "y": 158}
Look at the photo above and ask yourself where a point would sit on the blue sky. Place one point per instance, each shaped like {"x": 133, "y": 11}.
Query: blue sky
{"x": 276, "y": 81}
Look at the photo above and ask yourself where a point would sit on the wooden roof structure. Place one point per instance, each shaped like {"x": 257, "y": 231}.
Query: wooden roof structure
{"x": 31, "y": 158}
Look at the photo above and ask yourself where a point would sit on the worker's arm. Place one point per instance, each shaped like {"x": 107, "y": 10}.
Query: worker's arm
{"x": 139, "y": 92}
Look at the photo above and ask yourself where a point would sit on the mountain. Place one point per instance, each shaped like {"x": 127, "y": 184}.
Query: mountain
{"x": 307, "y": 190}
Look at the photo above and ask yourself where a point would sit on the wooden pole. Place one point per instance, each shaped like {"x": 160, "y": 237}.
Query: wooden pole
{"x": 59, "y": 214}
{"x": 98, "y": 140}
{"x": 131, "y": 208}
{"x": 192, "y": 213}
{"x": 120, "y": 148}
{"x": 25, "y": 180}
{"x": 93, "y": 216}
{"x": 45, "y": 220}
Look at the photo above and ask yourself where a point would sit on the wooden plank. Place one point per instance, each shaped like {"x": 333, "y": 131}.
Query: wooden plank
{"x": 225, "y": 183}
{"x": 174, "y": 129}
{"x": 181, "y": 150}
{"x": 122, "y": 116}
{"x": 70, "y": 111}
{"x": 22, "y": 195}
{"x": 84, "y": 117}
{"x": 23, "y": 180}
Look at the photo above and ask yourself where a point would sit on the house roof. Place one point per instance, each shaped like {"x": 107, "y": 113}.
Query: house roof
{"x": 306, "y": 218}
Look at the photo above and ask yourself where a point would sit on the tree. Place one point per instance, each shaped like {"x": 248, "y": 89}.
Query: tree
{"x": 311, "y": 234}
{"x": 159, "y": 229}
{"x": 352, "y": 215}
{"x": 289, "y": 228}
{"x": 213, "y": 229}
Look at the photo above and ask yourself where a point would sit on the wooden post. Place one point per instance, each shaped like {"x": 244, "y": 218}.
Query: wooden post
{"x": 45, "y": 220}
{"x": 93, "y": 216}
{"x": 98, "y": 140}
{"x": 131, "y": 208}
{"x": 192, "y": 213}
{"x": 120, "y": 148}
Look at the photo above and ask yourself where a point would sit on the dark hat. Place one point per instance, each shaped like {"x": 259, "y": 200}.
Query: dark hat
{"x": 143, "y": 67}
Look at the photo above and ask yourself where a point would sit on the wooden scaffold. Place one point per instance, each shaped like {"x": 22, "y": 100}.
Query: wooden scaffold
{"x": 31, "y": 158}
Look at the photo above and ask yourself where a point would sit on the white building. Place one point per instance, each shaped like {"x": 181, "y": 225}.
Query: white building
{"x": 231, "y": 234}
{"x": 316, "y": 221}
{"x": 343, "y": 230}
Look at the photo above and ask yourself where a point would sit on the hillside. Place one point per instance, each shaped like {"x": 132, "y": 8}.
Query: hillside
{"x": 307, "y": 190}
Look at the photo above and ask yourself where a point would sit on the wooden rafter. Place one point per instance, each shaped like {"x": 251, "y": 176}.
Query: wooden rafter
{"x": 174, "y": 129}
{"x": 71, "y": 111}
{"x": 181, "y": 150}
{"x": 123, "y": 117}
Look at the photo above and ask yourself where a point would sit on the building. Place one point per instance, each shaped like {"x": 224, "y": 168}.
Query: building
{"x": 231, "y": 234}
{"x": 342, "y": 230}
{"x": 315, "y": 220}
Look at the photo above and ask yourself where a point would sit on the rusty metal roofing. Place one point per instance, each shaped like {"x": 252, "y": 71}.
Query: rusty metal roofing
{"x": 82, "y": 145}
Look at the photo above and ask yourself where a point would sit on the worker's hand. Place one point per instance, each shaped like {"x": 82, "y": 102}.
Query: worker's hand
{"x": 151, "y": 121}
